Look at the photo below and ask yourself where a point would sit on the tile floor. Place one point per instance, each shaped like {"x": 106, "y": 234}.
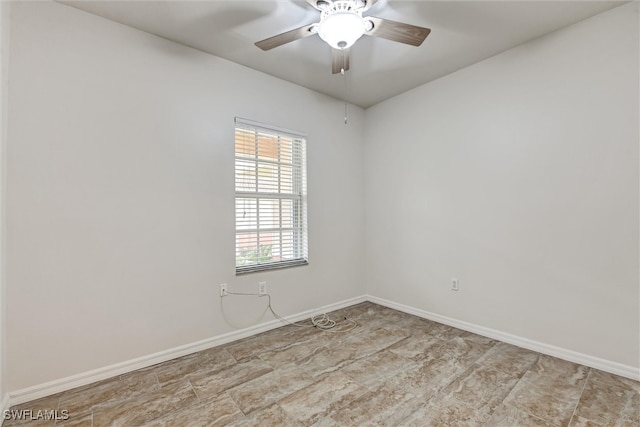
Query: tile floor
{"x": 393, "y": 369}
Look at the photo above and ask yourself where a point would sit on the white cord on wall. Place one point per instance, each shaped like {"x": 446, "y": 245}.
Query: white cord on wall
{"x": 320, "y": 321}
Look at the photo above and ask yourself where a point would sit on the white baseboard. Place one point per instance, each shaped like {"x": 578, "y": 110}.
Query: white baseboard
{"x": 63, "y": 384}
{"x": 41, "y": 390}
{"x": 550, "y": 350}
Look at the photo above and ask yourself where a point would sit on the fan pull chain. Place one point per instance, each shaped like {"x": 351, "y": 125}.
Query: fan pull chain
{"x": 346, "y": 93}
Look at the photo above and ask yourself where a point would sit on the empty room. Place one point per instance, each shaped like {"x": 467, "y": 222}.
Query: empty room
{"x": 320, "y": 212}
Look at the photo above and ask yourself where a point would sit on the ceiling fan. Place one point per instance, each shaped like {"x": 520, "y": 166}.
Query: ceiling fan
{"x": 342, "y": 24}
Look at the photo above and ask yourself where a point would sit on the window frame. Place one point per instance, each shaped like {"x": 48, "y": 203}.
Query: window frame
{"x": 254, "y": 165}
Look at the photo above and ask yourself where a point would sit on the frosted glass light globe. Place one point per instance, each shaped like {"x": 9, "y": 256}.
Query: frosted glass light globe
{"x": 341, "y": 29}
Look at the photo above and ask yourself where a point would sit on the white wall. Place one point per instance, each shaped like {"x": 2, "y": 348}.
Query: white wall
{"x": 120, "y": 194}
{"x": 4, "y": 74}
{"x": 518, "y": 176}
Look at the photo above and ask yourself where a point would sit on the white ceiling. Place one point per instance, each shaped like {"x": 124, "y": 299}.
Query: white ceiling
{"x": 463, "y": 32}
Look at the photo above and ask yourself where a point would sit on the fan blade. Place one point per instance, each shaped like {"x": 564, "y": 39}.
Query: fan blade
{"x": 397, "y": 31}
{"x": 339, "y": 60}
{"x": 289, "y": 36}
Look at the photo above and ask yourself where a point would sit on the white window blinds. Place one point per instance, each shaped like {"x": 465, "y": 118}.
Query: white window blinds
{"x": 271, "y": 198}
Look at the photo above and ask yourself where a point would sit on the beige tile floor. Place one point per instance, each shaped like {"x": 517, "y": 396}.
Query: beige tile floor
{"x": 393, "y": 369}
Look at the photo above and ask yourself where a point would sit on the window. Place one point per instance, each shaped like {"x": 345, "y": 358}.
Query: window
{"x": 271, "y": 198}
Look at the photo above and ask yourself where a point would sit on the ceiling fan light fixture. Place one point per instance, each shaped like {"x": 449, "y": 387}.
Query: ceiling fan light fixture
{"x": 341, "y": 29}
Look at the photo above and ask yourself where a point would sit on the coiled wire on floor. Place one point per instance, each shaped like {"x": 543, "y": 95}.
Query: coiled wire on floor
{"x": 321, "y": 321}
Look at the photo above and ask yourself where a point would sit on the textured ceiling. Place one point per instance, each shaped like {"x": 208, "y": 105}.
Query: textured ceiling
{"x": 463, "y": 32}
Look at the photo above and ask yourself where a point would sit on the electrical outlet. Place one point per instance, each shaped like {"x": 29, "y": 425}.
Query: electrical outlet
{"x": 223, "y": 290}
{"x": 455, "y": 285}
{"x": 262, "y": 288}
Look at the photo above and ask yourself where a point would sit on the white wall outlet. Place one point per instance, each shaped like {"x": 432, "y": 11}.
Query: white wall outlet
{"x": 262, "y": 288}
{"x": 223, "y": 290}
{"x": 455, "y": 285}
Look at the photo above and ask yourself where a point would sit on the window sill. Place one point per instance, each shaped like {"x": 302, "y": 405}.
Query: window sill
{"x": 272, "y": 266}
